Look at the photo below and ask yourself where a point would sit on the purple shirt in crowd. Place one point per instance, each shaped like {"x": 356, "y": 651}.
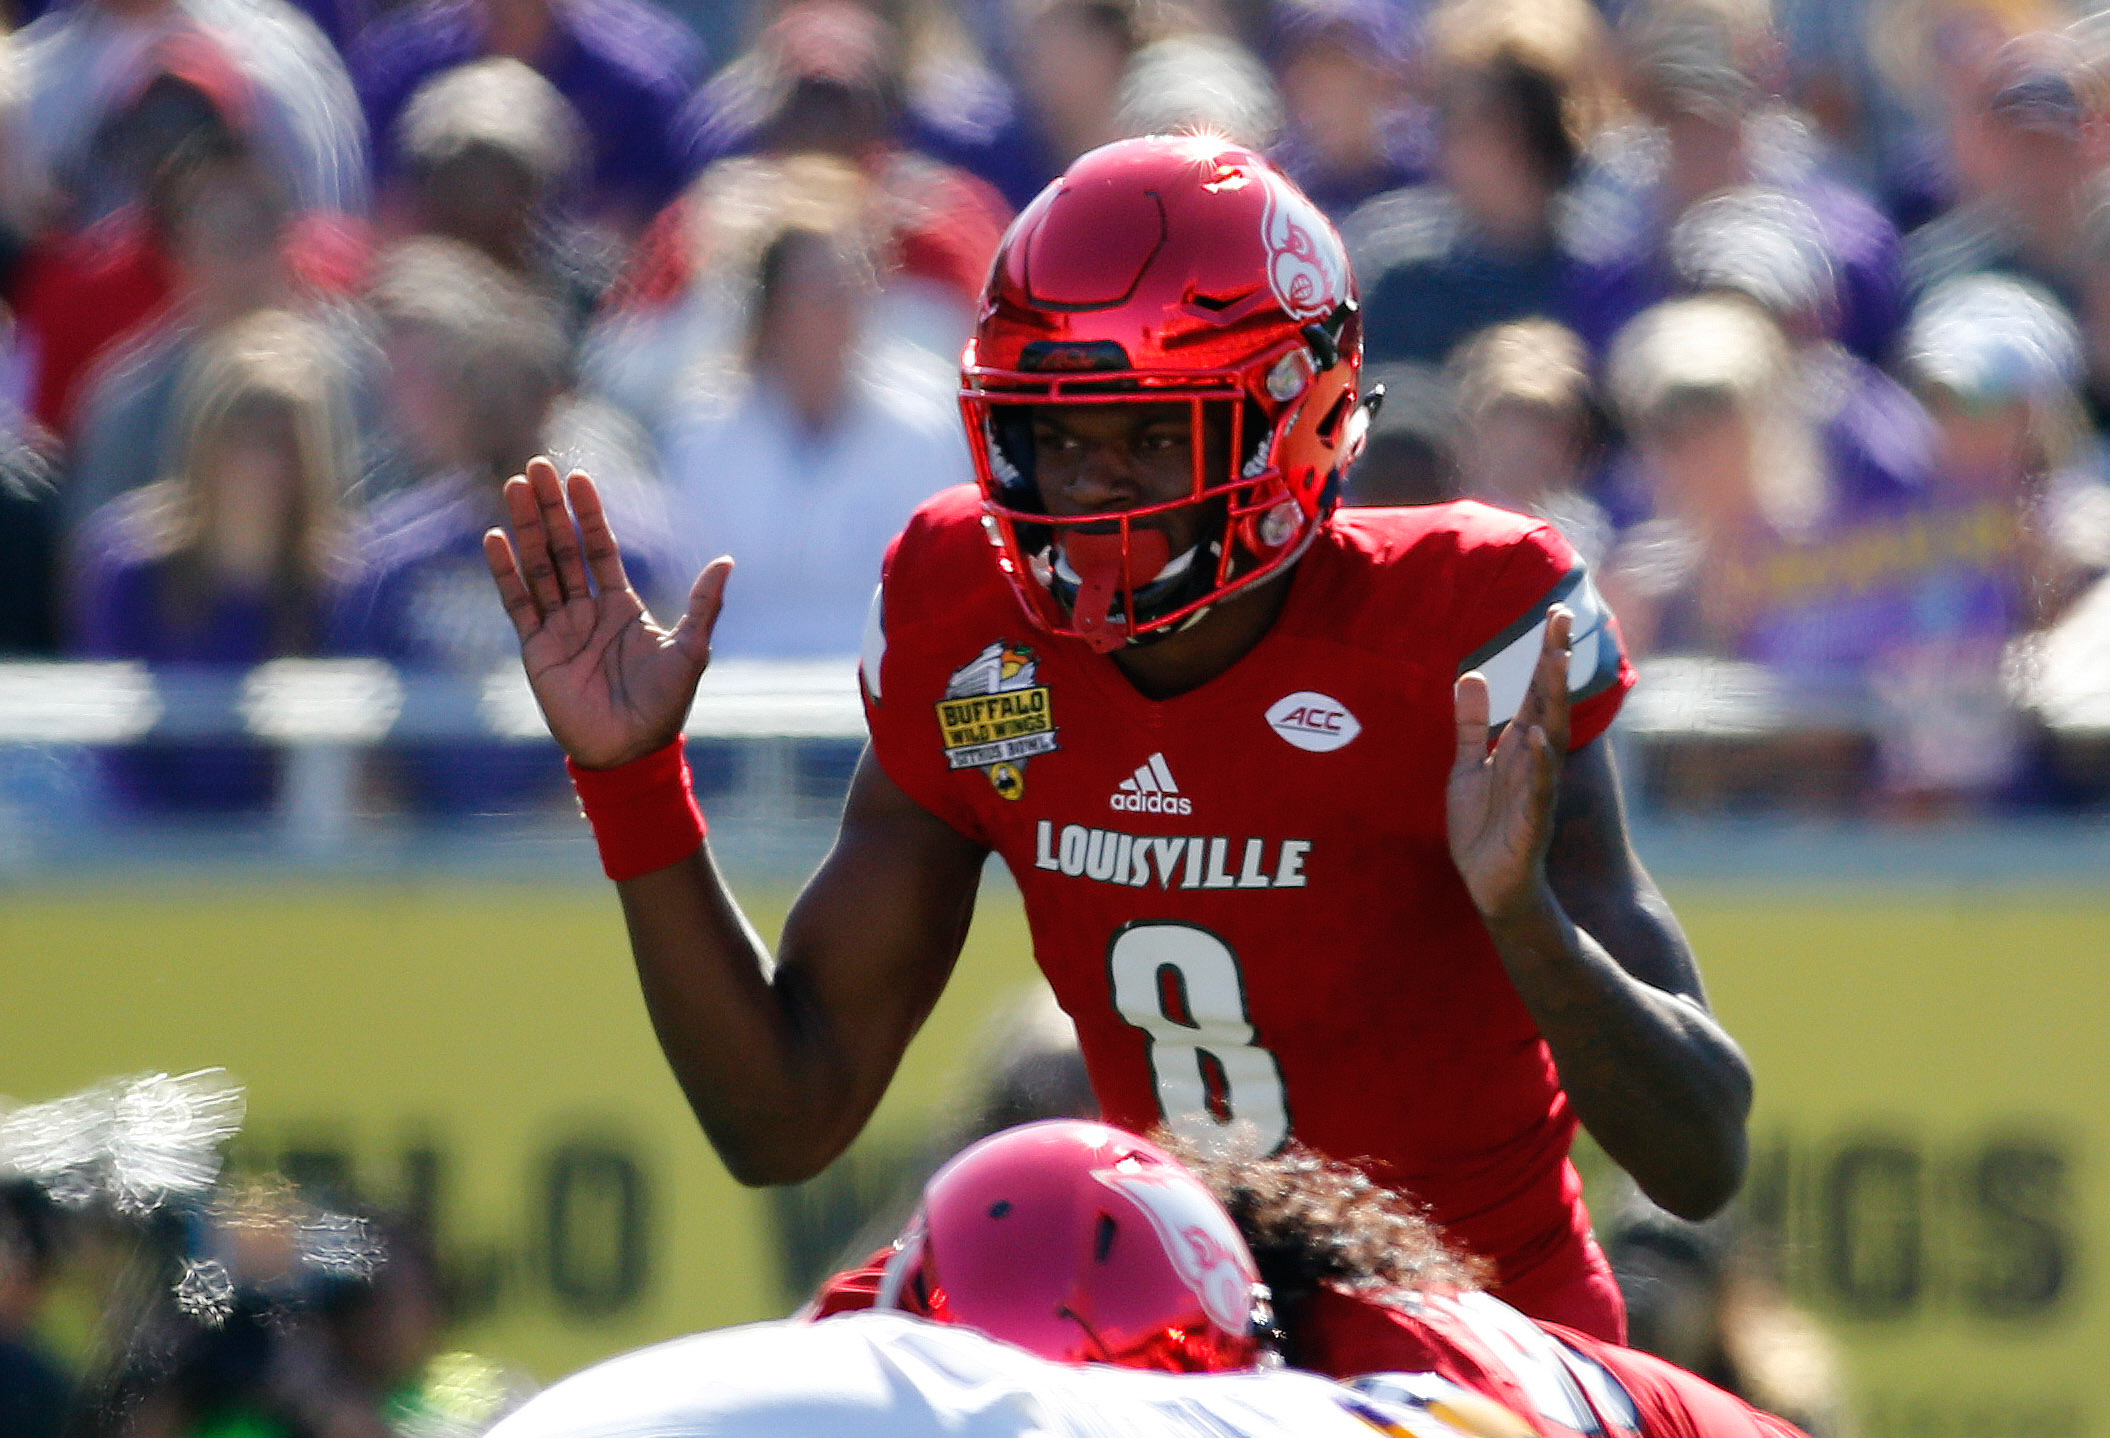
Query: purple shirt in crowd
{"x": 125, "y": 608}
{"x": 625, "y": 66}
{"x": 1622, "y": 278}
{"x": 422, "y": 599}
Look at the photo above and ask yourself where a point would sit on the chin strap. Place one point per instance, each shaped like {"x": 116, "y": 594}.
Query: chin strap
{"x": 1108, "y": 563}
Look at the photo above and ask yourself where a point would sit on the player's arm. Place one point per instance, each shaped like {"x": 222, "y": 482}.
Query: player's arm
{"x": 781, "y": 1060}
{"x": 1539, "y": 836}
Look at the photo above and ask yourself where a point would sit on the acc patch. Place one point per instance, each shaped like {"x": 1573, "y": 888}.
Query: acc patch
{"x": 996, "y": 715}
{"x": 1316, "y": 723}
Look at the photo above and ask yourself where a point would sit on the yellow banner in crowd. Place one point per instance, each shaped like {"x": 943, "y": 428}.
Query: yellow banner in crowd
{"x": 1931, "y": 1108}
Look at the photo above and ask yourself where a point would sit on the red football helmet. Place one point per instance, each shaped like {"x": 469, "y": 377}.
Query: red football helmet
{"x": 1166, "y": 269}
{"x": 1083, "y": 1244}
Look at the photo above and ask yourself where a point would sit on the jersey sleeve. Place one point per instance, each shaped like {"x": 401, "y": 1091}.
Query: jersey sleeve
{"x": 1506, "y": 624}
{"x": 898, "y": 714}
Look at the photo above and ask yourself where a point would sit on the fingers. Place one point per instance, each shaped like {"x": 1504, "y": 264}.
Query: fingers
{"x": 1552, "y": 678}
{"x": 1547, "y": 694}
{"x": 531, "y": 544}
{"x": 604, "y": 558}
{"x": 706, "y": 599}
{"x": 505, "y": 569}
{"x": 1469, "y": 707}
{"x": 563, "y": 535}
{"x": 1545, "y": 773}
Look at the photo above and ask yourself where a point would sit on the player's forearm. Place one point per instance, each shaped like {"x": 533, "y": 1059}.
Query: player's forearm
{"x": 738, "y": 1040}
{"x": 1657, "y": 1081}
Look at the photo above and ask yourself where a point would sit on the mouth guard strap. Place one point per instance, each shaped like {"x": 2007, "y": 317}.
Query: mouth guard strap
{"x": 1106, "y": 563}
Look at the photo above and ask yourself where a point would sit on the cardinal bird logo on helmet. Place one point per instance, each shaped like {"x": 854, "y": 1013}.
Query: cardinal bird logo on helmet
{"x": 1306, "y": 266}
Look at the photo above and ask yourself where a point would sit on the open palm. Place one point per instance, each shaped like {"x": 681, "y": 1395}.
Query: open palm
{"x": 1500, "y": 803}
{"x": 613, "y": 684}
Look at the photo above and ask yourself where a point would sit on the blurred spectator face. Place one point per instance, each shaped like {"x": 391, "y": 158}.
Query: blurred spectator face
{"x": 1071, "y": 57}
{"x": 1524, "y": 393}
{"x": 1697, "y": 452}
{"x": 1495, "y": 152}
{"x": 483, "y": 197}
{"x": 1705, "y": 386}
{"x": 259, "y": 460}
{"x": 2035, "y": 130}
{"x": 1691, "y": 72}
{"x": 1706, "y": 153}
{"x": 423, "y": 366}
{"x": 808, "y": 315}
{"x": 827, "y": 117}
{"x": 1983, "y": 442}
{"x": 255, "y": 480}
{"x": 1514, "y": 453}
{"x": 226, "y": 220}
{"x": 1338, "y": 94}
{"x": 488, "y": 145}
{"x": 474, "y": 358}
{"x": 1997, "y": 361}
{"x": 137, "y": 141}
{"x": 839, "y": 61}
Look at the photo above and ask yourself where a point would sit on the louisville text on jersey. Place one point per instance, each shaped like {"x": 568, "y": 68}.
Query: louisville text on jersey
{"x": 1180, "y": 861}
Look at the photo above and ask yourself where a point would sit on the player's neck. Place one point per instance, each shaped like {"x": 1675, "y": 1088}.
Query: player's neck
{"x": 1189, "y": 659}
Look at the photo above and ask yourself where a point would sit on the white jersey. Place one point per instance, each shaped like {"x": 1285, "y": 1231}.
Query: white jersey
{"x": 886, "y": 1375}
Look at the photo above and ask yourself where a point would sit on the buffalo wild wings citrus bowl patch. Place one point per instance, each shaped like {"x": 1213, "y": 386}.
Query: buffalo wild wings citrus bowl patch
{"x": 996, "y": 715}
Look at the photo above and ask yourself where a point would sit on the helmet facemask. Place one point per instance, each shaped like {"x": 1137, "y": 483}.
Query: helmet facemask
{"x": 1111, "y": 577}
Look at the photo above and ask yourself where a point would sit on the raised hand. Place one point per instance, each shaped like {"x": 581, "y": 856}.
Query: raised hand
{"x": 613, "y": 684}
{"x": 1500, "y": 803}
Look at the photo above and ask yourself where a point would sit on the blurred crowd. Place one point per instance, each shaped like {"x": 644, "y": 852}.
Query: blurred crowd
{"x": 1796, "y": 323}
{"x": 217, "y": 1305}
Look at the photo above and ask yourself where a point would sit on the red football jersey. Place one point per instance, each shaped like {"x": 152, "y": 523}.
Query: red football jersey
{"x": 1568, "y": 1384}
{"x": 1244, "y": 896}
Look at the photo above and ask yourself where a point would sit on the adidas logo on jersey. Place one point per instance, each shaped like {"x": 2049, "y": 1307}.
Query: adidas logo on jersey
{"x": 1150, "y": 790}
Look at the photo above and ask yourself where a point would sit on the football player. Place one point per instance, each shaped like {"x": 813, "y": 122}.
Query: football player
{"x": 1122, "y": 1299}
{"x": 1311, "y": 811}
{"x": 1083, "y": 1244}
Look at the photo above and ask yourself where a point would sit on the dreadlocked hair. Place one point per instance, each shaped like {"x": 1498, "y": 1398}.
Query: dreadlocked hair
{"x": 1312, "y": 1221}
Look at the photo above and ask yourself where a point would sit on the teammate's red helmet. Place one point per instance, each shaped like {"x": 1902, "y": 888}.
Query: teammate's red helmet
{"x": 1168, "y": 268}
{"x": 1083, "y": 1244}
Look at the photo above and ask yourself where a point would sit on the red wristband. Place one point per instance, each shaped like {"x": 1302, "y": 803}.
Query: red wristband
{"x": 643, "y": 813}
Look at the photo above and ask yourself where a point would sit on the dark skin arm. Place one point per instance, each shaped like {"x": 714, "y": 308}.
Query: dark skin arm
{"x": 783, "y": 1063}
{"x": 1539, "y": 836}
{"x": 782, "y": 1060}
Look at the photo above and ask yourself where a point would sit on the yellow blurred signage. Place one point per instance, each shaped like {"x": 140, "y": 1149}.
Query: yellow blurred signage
{"x": 1931, "y": 1108}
